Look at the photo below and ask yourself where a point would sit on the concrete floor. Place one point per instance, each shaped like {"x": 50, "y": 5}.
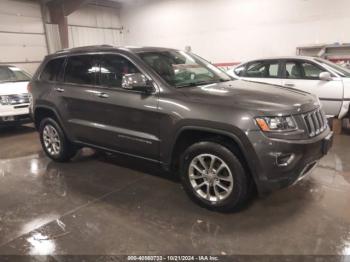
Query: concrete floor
{"x": 116, "y": 205}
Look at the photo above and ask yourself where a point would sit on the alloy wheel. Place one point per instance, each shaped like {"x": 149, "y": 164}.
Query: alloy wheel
{"x": 51, "y": 140}
{"x": 210, "y": 177}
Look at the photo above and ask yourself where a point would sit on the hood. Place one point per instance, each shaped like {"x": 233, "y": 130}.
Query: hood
{"x": 13, "y": 88}
{"x": 253, "y": 96}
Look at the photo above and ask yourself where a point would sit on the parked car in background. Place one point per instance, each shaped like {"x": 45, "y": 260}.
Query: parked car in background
{"x": 329, "y": 81}
{"x": 14, "y": 97}
{"x": 224, "y": 137}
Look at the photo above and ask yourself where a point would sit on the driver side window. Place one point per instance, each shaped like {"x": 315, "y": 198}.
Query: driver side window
{"x": 113, "y": 68}
{"x": 301, "y": 69}
{"x": 311, "y": 71}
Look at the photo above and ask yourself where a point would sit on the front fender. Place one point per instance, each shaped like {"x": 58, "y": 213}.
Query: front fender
{"x": 238, "y": 136}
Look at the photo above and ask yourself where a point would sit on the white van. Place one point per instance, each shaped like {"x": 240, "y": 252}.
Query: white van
{"x": 14, "y": 97}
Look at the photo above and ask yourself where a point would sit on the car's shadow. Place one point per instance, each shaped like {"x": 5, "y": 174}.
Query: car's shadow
{"x": 88, "y": 159}
{"x": 16, "y": 130}
{"x": 167, "y": 197}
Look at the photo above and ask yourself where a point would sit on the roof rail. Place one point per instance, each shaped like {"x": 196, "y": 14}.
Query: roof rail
{"x": 82, "y": 48}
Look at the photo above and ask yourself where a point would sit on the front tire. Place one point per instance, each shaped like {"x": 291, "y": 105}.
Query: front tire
{"x": 214, "y": 177}
{"x": 54, "y": 142}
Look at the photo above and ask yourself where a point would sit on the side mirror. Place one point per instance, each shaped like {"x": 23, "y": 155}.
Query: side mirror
{"x": 325, "y": 76}
{"x": 137, "y": 81}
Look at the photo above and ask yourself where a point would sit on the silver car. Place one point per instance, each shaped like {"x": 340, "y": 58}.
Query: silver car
{"x": 330, "y": 82}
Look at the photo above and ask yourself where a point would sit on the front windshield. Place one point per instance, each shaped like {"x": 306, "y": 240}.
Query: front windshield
{"x": 181, "y": 69}
{"x": 342, "y": 71}
{"x": 12, "y": 74}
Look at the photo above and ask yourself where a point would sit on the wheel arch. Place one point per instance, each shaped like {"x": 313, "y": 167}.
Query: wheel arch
{"x": 41, "y": 112}
{"x": 239, "y": 145}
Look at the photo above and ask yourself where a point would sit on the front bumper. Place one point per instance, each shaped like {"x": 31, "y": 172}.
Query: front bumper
{"x": 15, "y": 120}
{"x": 281, "y": 163}
{"x": 14, "y": 115}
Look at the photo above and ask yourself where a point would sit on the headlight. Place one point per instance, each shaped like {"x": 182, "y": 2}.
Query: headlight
{"x": 5, "y": 100}
{"x": 277, "y": 123}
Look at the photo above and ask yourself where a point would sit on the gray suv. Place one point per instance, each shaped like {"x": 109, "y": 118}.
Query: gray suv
{"x": 224, "y": 137}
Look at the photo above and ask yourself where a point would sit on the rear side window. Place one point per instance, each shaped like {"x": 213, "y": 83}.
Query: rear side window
{"x": 293, "y": 70}
{"x": 263, "y": 69}
{"x": 113, "y": 68}
{"x": 52, "y": 70}
{"x": 81, "y": 70}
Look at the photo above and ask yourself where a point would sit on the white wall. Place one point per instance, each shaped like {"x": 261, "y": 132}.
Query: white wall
{"x": 94, "y": 25}
{"x": 22, "y": 38}
{"x": 236, "y": 30}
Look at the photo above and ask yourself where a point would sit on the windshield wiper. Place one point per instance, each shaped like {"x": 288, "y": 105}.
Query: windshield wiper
{"x": 199, "y": 83}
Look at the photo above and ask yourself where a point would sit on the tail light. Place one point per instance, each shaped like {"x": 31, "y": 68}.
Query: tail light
{"x": 29, "y": 88}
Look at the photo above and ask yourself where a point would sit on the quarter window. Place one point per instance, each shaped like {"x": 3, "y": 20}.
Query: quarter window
{"x": 52, "y": 70}
{"x": 81, "y": 70}
{"x": 113, "y": 68}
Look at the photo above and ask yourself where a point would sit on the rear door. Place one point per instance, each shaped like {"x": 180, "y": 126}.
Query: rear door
{"x": 264, "y": 71}
{"x": 77, "y": 95}
{"x": 49, "y": 84}
{"x": 304, "y": 75}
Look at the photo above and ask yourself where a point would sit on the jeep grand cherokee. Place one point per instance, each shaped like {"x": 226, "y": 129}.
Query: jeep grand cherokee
{"x": 223, "y": 137}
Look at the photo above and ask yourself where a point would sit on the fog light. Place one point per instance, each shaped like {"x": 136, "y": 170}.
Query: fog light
{"x": 284, "y": 159}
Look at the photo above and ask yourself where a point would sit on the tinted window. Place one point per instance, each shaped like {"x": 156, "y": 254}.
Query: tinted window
{"x": 262, "y": 69}
{"x": 113, "y": 68}
{"x": 311, "y": 71}
{"x": 293, "y": 70}
{"x": 81, "y": 70}
{"x": 52, "y": 70}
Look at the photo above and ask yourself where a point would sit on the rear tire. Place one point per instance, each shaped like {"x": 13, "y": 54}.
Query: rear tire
{"x": 214, "y": 177}
{"x": 54, "y": 142}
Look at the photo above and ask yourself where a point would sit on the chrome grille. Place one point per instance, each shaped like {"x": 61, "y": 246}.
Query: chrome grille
{"x": 18, "y": 99}
{"x": 315, "y": 122}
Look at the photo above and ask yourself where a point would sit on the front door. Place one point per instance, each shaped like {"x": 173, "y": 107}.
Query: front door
{"x": 130, "y": 118}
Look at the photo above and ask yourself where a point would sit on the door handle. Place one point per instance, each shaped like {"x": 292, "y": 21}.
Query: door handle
{"x": 289, "y": 84}
{"x": 102, "y": 95}
{"x": 59, "y": 89}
